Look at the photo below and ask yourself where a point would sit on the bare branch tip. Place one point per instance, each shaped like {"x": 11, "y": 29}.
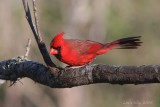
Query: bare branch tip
{"x": 36, "y": 20}
{"x": 25, "y": 5}
{"x": 27, "y": 48}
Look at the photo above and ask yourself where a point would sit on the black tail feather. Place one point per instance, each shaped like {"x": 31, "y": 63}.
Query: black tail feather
{"x": 129, "y": 43}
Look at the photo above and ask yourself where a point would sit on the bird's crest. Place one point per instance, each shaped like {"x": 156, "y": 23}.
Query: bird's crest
{"x": 59, "y": 36}
{"x": 57, "y": 39}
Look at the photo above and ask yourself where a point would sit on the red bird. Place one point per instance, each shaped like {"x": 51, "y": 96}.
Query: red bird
{"x": 80, "y": 52}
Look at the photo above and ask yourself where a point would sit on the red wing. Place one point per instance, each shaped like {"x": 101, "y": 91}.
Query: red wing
{"x": 94, "y": 46}
{"x": 85, "y": 47}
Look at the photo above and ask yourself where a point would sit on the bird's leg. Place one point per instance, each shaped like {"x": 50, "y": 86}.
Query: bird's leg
{"x": 70, "y": 66}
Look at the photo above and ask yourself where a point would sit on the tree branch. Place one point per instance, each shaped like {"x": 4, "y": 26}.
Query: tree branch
{"x": 41, "y": 45}
{"x": 18, "y": 68}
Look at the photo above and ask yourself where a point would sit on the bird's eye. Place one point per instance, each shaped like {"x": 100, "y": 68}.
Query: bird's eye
{"x": 58, "y": 48}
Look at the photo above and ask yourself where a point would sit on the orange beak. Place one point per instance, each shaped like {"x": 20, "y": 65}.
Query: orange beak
{"x": 53, "y": 51}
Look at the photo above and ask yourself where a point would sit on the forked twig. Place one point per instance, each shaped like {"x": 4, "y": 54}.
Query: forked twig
{"x": 36, "y": 32}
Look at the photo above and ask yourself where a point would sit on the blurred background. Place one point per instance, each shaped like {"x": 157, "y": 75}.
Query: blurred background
{"x": 99, "y": 20}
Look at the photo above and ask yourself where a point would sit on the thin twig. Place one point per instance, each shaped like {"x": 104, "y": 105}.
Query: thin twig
{"x": 27, "y": 48}
{"x": 29, "y": 18}
{"x": 36, "y": 20}
{"x": 37, "y": 35}
{"x": 25, "y": 5}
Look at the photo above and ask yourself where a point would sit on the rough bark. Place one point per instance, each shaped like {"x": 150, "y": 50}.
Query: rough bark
{"x": 70, "y": 77}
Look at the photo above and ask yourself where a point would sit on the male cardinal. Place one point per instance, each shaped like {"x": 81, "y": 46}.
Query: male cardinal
{"x": 80, "y": 52}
